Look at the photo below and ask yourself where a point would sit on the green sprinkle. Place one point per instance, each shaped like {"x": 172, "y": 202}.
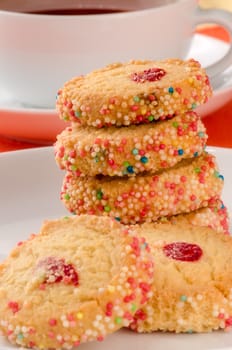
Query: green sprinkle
{"x": 126, "y": 164}
{"x": 96, "y": 159}
{"x": 66, "y": 157}
{"x": 194, "y": 105}
{"x": 175, "y": 124}
{"x": 66, "y": 217}
{"x": 73, "y": 167}
{"x": 133, "y": 307}
{"x": 136, "y": 98}
{"x": 118, "y": 320}
{"x": 66, "y": 196}
{"x": 107, "y": 208}
{"x": 20, "y": 336}
{"x": 190, "y": 331}
{"x": 66, "y": 117}
{"x": 197, "y": 170}
{"x": 183, "y": 298}
{"x": 150, "y": 118}
{"x": 99, "y": 194}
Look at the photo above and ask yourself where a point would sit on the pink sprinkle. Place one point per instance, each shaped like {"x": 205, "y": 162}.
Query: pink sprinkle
{"x": 134, "y": 107}
{"x": 111, "y": 162}
{"x": 100, "y": 338}
{"x": 162, "y": 146}
{"x": 52, "y": 322}
{"x": 97, "y": 141}
{"x": 183, "y": 178}
{"x": 14, "y": 306}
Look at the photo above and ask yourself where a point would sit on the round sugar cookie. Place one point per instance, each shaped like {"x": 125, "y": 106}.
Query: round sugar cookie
{"x": 78, "y": 280}
{"x": 133, "y": 93}
{"x": 188, "y": 186}
{"x": 130, "y": 150}
{"x": 192, "y": 291}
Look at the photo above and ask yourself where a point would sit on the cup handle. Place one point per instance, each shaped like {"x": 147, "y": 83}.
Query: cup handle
{"x": 223, "y": 18}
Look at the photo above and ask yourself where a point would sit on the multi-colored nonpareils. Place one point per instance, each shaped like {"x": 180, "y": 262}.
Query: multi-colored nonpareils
{"x": 137, "y": 92}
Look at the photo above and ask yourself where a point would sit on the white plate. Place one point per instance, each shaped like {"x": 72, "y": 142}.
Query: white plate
{"x": 30, "y": 186}
{"x": 42, "y": 125}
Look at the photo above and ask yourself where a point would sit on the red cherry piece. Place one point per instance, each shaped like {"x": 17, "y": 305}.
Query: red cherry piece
{"x": 183, "y": 251}
{"x": 56, "y": 270}
{"x": 151, "y": 74}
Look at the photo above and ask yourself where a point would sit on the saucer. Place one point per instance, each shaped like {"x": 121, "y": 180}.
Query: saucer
{"x": 29, "y": 124}
{"x": 207, "y": 51}
{"x": 42, "y": 125}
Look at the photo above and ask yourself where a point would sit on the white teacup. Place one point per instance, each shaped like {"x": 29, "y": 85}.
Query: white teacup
{"x": 44, "y": 43}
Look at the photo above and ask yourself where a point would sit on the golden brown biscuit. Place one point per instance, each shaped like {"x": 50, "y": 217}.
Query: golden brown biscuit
{"x": 134, "y": 93}
{"x": 78, "y": 280}
{"x": 192, "y": 289}
{"x": 130, "y": 150}
{"x": 190, "y": 185}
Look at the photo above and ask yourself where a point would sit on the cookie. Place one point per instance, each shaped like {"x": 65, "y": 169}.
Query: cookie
{"x": 192, "y": 291}
{"x": 78, "y": 280}
{"x": 190, "y": 185}
{"x": 214, "y": 216}
{"x": 130, "y": 150}
{"x": 133, "y": 93}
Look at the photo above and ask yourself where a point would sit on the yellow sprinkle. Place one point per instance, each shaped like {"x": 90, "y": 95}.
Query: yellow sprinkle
{"x": 79, "y": 315}
{"x": 111, "y": 289}
{"x": 143, "y": 111}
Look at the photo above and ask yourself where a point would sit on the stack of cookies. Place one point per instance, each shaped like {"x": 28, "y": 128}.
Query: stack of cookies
{"x": 135, "y": 150}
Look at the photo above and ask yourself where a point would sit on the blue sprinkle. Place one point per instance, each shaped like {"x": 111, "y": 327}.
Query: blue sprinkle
{"x": 183, "y": 298}
{"x": 117, "y": 218}
{"x": 130, "y": 169}
{"x": 221, "y": 177}
{"x": 144, "y": 160}
{"x": 135, "y": 151}
{"x": 201, "y": 134}
{"x": 144, "y": 245}
{"x": 180, "y": 152}
{"x": 171, "y": 90}
{"x": 222, "y": 206}
{"x": 77, "y": 114}
{"x": 195, "y": 154}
